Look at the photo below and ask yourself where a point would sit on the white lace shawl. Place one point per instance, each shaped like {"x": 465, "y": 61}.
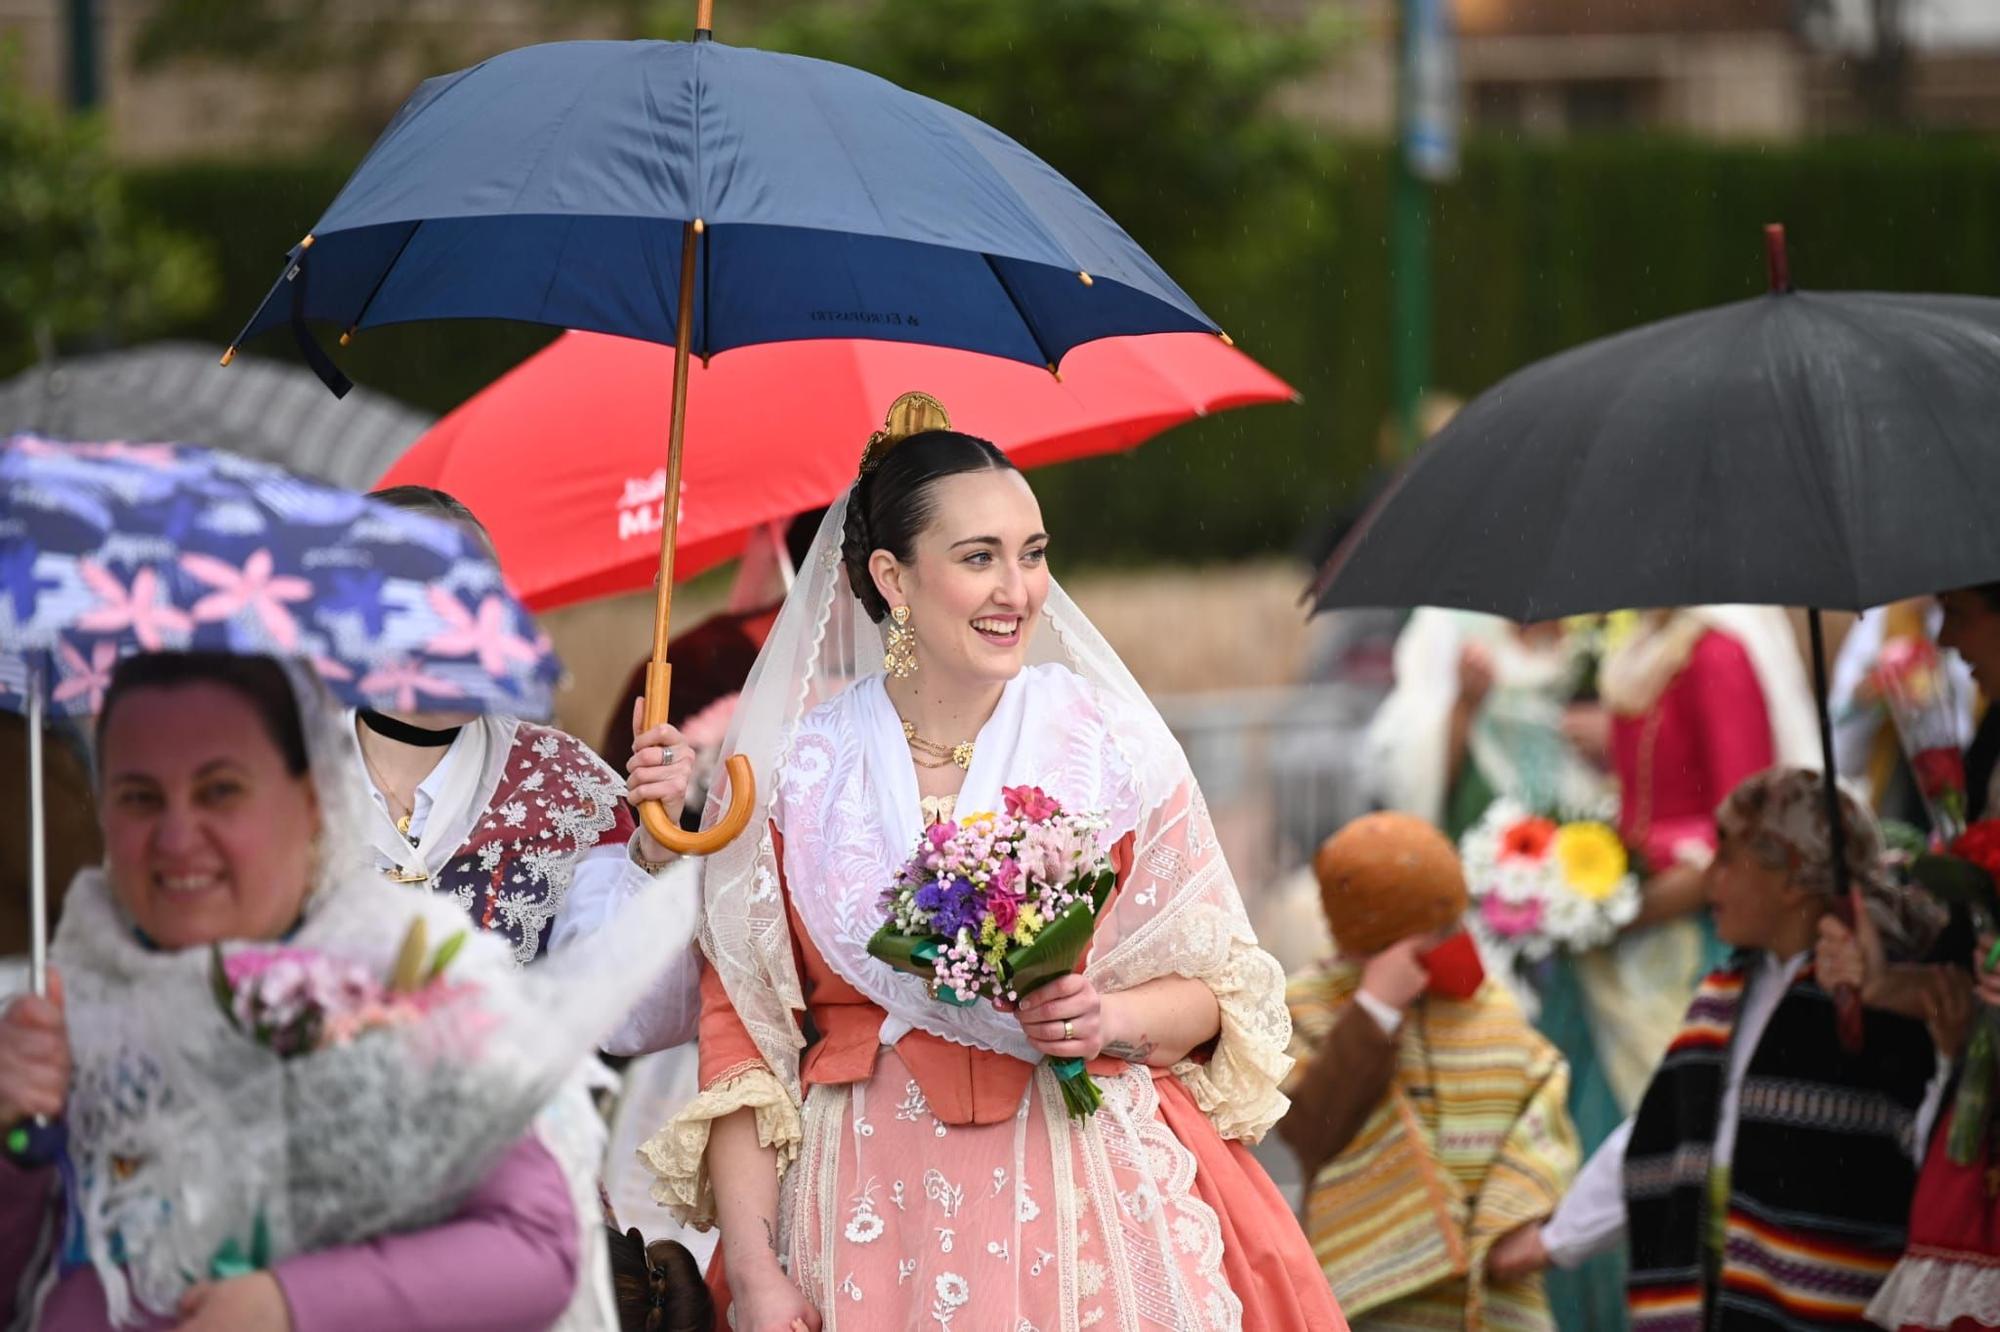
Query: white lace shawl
{"x": 835, "y": 781}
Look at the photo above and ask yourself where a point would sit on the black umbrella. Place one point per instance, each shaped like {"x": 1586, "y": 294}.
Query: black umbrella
{"x": 1833, "y": 450}
{"x": 1829, "y": 449}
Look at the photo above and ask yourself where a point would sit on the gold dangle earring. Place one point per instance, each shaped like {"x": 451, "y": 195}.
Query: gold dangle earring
{"x": 900, "y": 660}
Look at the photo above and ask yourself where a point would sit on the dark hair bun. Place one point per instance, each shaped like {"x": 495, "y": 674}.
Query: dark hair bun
{"x": 855, "y": 548}
{"x": 895, "y": 500}
{"x": 658, "y": 1286}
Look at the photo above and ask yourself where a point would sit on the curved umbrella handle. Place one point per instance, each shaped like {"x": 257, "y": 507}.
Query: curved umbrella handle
{"x": 742, "y": 797}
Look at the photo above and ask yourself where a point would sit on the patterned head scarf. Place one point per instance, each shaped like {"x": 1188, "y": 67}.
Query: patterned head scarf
{"x": 1779, "y": 815}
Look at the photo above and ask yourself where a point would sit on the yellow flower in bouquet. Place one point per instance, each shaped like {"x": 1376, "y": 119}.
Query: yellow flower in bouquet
{"x": 1593, "y": 860}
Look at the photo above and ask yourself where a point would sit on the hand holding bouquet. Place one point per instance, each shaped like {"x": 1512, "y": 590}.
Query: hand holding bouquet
{"x": 994, "y": 905}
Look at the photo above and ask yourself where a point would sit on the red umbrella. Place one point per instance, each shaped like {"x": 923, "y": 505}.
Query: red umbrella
{"x": 561, "y": 456}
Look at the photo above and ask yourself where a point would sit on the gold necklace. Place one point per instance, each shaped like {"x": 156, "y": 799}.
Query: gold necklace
{"x": 401, "y": 821}
{"x": 931, "y": 754}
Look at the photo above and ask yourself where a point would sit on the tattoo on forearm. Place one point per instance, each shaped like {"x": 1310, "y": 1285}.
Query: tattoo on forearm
{"x": 770, "y": 1234}
{"x": 1136, "y": 1051}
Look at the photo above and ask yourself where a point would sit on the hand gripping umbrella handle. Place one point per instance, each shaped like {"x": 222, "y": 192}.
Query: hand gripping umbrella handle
{"x": 742, "y": 785}
{"x": 742, "y": 796}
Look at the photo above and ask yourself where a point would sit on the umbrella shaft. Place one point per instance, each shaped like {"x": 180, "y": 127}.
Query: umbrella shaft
{"x": 38, "y": 867}
{"x": 670, "y": 509}
{"x": 1831, "y": 773}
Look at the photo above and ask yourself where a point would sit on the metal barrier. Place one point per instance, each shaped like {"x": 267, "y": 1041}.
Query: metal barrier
{"x": 1280, "y": 767}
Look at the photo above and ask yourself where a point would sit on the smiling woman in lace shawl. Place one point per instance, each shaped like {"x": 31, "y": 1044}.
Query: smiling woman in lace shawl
{"x": 935, "y": 1176}
{"x": 219, "y": 1175}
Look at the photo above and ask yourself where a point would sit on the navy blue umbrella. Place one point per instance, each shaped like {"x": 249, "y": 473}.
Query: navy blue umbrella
{"x": 555, "y": 184}
{"x": 713, "y": 197}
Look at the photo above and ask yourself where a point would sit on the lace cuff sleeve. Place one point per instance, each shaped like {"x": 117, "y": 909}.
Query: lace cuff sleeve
{"x": 1238, "y": 1088}
{"x": 677, "y": 1153}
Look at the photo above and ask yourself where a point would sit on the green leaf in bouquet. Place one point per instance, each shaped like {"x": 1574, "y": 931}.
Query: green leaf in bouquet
{"x": 441, "y": 959}
{"x": 218, "y": 985}
{"x": 1055, "y": 951}
{"x": 1956, "y": 881}
{"x": 914, "y": 953}
{"x": 1973, "y": 1108}
{"x": 1904, "y": 839}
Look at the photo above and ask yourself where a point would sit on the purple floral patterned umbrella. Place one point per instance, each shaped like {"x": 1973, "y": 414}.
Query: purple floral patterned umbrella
{"x": 113, "y": 549}
{"x": 110, "y": 549}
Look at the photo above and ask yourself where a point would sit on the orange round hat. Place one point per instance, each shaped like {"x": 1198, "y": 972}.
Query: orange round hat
{"x": 1385, "y": 877}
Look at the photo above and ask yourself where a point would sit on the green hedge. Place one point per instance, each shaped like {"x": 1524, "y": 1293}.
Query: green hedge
{"x": 1536, "y": 247}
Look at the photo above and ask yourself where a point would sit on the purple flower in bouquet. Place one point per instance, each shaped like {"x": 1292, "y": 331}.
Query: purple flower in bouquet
{"x": 960, "y": 909}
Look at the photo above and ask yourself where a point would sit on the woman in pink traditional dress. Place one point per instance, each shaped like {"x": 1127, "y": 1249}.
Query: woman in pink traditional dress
{"x": 1697, "y": 701}
{"x": 917, "y": 1167}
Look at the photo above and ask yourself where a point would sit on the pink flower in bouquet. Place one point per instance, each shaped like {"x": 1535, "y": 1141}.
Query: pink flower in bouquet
{"x": 1003, "y": 904}
{"x": 1047, "y": 851}
{"x": 1030, "y": 803}
{"x": 1510, "y": 919}
{"x": 250, "y": 963}
{"x": 342, "y": 1028}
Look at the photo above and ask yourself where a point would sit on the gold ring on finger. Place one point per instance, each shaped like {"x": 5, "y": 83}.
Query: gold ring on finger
{"x": 1069, "y": 1030}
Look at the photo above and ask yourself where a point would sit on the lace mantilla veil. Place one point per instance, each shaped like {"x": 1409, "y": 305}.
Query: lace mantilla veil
{"x": 1086, "y": 732}
{"x": 187, "y": 1139}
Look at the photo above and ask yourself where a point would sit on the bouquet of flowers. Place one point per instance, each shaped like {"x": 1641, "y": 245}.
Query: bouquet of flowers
{"x": 1538, "y": 884}
{"x": 263, "y": 1099}
{"x": 294, "y": 1001}
{"x": 1913, "y": 684}
{"x": 995, "y": 905}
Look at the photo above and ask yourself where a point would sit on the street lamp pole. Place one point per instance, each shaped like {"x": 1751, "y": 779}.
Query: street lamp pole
{"x": 1426, "y": 152}
{"x": 82, "y": 89}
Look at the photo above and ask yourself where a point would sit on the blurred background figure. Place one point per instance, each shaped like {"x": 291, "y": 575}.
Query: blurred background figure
{"x": 1693, "y": 702}
{"x": 1485, "y": 709}
{"x": 1415, "y": 1069}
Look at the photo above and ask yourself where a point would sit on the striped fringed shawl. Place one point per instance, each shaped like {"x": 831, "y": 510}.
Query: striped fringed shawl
{"x": 1820, "y": 1177}
{"x": 1472, "y": 1140}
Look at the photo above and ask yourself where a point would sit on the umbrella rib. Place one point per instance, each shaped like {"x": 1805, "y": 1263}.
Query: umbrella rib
{"x": 1829, "y": 495}
{"x": 383, "y": 279}
{"x": 1027, "y": 320}
{"x": 699, "y": 197}
{"x": 1854, "y": 588}
{"x": 1573, "y": 480}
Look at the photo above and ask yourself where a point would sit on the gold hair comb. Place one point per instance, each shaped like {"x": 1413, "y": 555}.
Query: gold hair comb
{"x": 911, "y": 414}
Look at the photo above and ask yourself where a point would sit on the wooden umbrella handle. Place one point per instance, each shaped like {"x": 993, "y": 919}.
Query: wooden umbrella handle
{"x": 742, "y": 785}
{"x": 742, "y": 796}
